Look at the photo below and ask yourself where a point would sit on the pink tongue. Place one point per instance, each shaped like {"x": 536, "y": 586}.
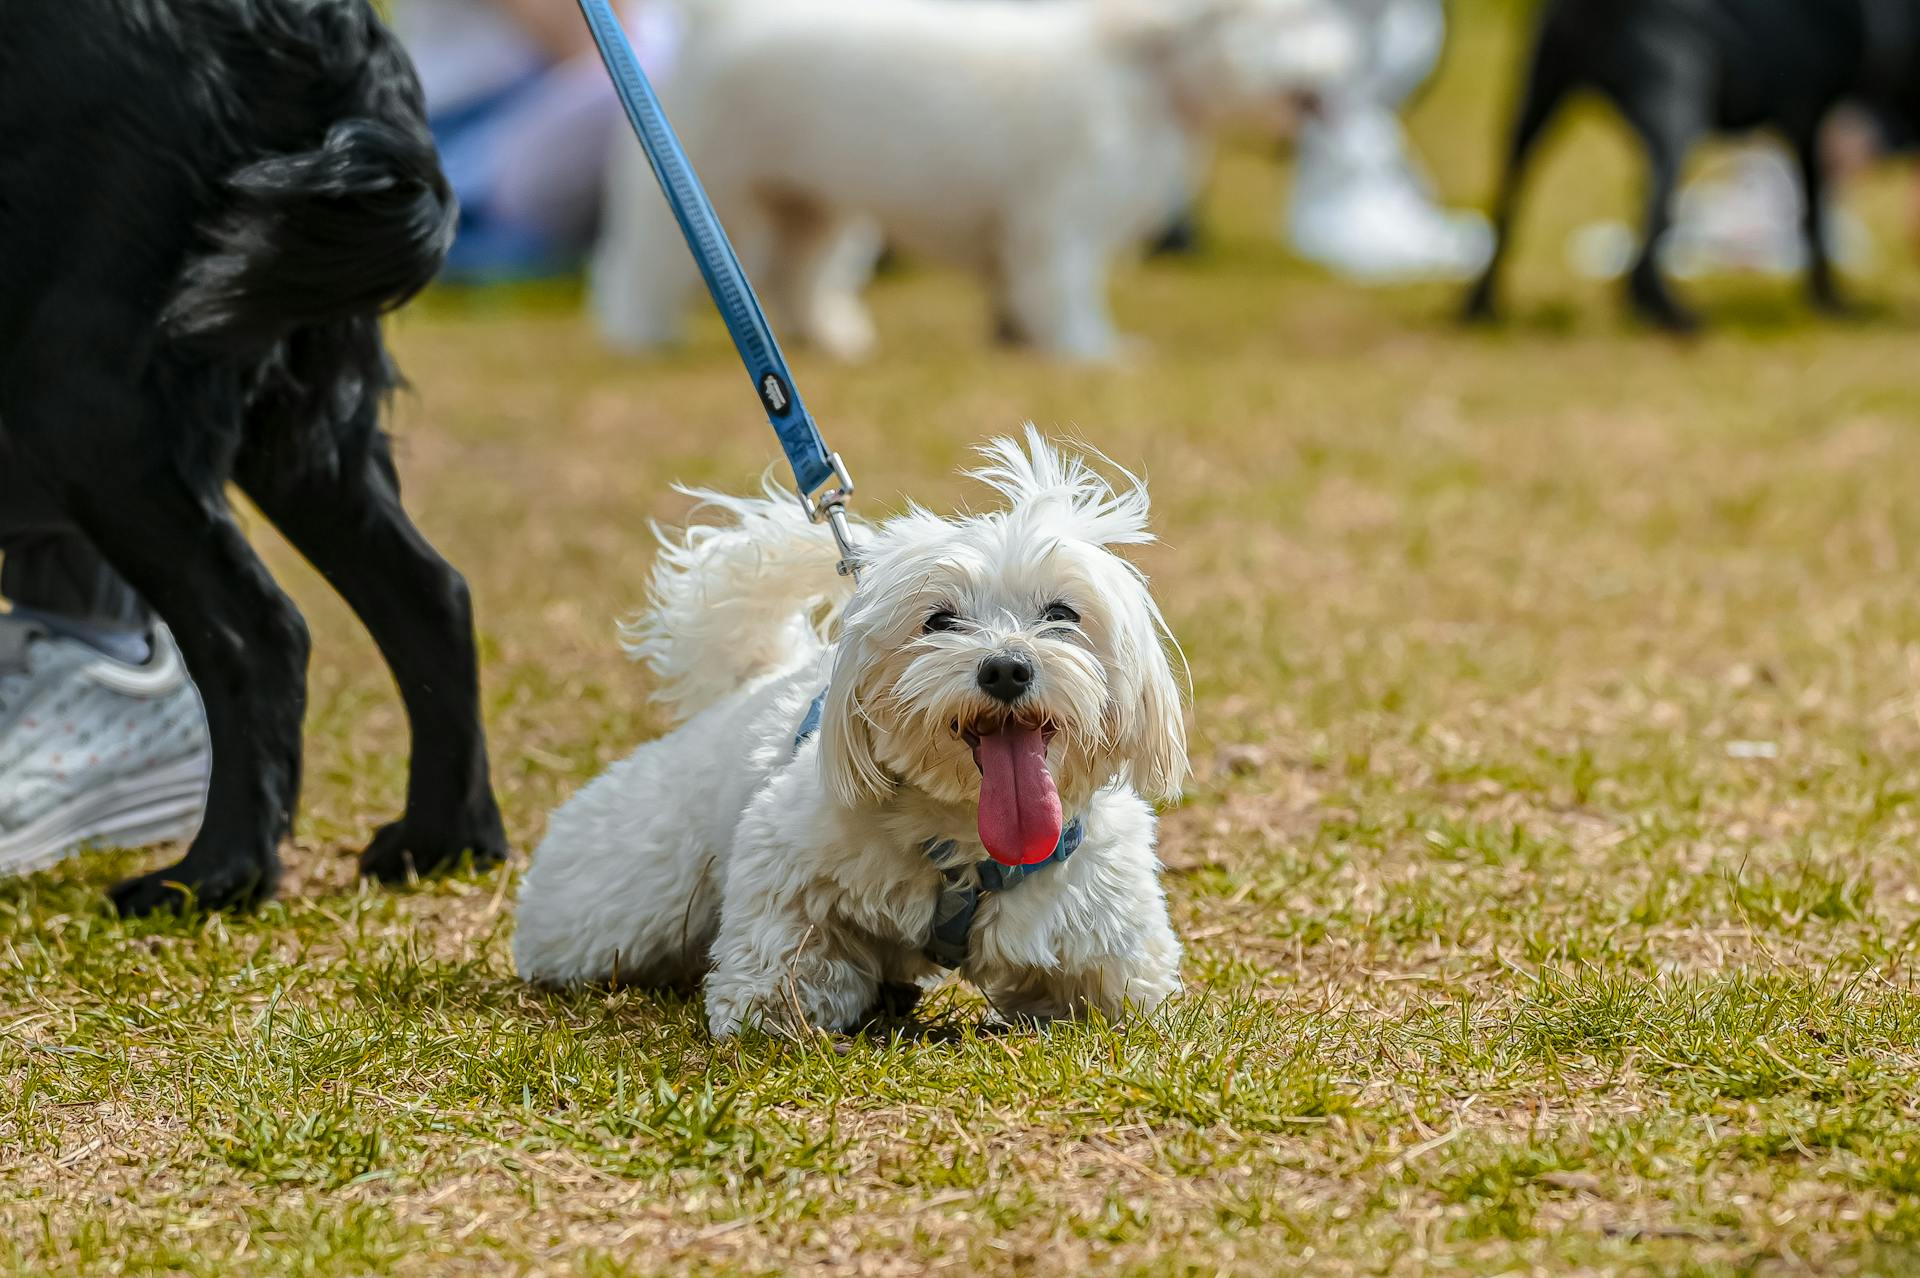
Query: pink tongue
{"x": 1019, "y": 808}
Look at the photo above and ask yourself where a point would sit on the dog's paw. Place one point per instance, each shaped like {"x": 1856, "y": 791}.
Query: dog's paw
{"x": 409, "y": 848}
{"x": 1656, "y": 306}
{"x": 893, "y": 1001}
{"x": 179, "y": 888}
{"x": 1678, "y": 322}
{"x": 842, "y": 328}
{"x": 1480, "y": 309}
{"x": 1836, "y": 306}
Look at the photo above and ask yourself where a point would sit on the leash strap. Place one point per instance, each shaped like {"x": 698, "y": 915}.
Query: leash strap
{"x": 822, "y": 477}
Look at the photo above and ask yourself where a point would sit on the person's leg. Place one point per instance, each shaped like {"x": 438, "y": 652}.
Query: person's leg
{"x": 59, "y": 580}
{"x": 1360, "y": 204}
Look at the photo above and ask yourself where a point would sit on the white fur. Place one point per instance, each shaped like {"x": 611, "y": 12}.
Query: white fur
{"x": 1031, "y": 143}
{"x": 796, "y": 883}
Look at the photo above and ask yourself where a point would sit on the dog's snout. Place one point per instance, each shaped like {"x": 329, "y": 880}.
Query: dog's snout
{"x": 1006, "y": 676}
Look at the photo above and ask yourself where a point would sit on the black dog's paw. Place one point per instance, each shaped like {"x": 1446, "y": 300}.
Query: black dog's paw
{"x": 409, "y": 849}
{"x": 1837, "y": 306}
{"x": 894, "y": 1001}
{"x": 1181, "y": 238}
{"x": 1479, "y": 308}
{"x": 179, "y": 888}
{"x": 1671, "y": 318}
{"x": 1656, "y": 306}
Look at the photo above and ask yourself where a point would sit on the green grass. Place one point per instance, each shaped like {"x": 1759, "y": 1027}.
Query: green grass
{"x": 1509, "y": 950}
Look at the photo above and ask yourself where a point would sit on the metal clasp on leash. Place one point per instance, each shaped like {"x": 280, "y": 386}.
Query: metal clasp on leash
{"x": 830, "y": 504}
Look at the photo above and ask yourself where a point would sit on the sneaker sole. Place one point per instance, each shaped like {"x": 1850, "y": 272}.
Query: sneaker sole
{"x": 160, "y": 806}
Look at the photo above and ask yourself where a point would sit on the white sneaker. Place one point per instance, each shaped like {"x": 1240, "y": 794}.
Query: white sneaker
{"x": 93, "y": 751}
{"x": 1360, "y": 207}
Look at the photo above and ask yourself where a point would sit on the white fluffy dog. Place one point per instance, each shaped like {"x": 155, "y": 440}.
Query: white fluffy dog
{"x": 1030, "y": 142}
{"x": 954, "y": 780}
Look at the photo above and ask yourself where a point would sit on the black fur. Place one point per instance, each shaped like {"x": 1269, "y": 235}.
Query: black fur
{"x": 205, "y": 205}
{"x": 1679, "y": 70}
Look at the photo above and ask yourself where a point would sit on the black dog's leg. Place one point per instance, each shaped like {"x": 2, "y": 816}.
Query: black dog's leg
{"x": 1821, "y": 283}
{"x": 1549, "y": 79}
{"x": 1668, "y": 112}
{"x": 160, "y": 519}
{"x": 140, "y": 461}
{"x": 1646, "y": 285}
{"x": 246, "y": 647}
{"x": 348, "y": 521}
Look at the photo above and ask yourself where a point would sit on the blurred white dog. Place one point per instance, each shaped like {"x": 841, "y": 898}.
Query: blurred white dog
{"x": 962, "y": 790}
{"x": 1030, "y": 142}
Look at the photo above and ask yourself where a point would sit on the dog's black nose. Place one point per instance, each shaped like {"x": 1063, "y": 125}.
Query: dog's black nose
{"x": 1005, "y": 677}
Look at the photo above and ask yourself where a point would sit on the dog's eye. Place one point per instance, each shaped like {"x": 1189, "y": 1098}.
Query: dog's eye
{"x": 1060, "y": 612}
{"x": 942, "y": 620}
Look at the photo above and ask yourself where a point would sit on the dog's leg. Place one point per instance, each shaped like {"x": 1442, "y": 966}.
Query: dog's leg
{"x": 246, "y": 647}
{"x": 777, "y": 970}
{"x": 1128, "y": 962}
{"x": 348, "y": 521}
{"x": 1549, "y": 80}
{"x": 1822, "y": 286}
{"x": 642, "y": 272}
{"x": 1647, "y": 287}
{"x": 829, "y": 262}
{"x": 787, "y": 978}
{"x": 1056, "y": 292}
{"x": 1667, "y": 107}
{"x": 156, "y": 511}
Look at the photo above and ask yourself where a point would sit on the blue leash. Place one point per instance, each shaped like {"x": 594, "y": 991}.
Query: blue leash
{"x": 824, "y": 482}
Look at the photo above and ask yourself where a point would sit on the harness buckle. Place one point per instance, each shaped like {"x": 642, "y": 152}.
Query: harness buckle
{"x": 830, "y": 504}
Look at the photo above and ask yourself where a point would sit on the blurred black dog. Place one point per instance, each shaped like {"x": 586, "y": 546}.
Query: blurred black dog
{"x": 205, "y": 205}
{"x": 1681, "y": 69}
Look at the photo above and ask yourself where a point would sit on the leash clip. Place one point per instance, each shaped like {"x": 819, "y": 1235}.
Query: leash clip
{"x": 830, "y": 504}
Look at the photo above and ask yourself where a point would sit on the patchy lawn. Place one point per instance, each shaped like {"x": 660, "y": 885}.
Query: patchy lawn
{"x": 1549, "y": 870}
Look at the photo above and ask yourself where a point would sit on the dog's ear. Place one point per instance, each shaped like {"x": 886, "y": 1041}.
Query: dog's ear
{"x": 1149, "y": 726}
{"x": 847, "y": 764}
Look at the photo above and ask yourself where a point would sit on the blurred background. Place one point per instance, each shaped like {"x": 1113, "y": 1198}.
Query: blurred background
{"x": 1548, "y": 866}
{"x": 1375, "y": 518}
{"x": 1564, "y": 546}
{"x": 1380, "y": 183}
{"x": 1556, "y": 710}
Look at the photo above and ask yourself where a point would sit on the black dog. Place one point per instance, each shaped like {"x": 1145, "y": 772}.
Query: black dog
{"x": 205, "y": 205}
{"x": 1681, "y": 69}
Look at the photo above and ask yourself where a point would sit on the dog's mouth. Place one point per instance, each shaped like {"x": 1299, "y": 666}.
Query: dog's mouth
{"x": 1020, "y": 817}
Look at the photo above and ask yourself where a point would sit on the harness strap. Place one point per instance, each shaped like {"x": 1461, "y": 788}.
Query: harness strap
{"x": 963, "y": 883}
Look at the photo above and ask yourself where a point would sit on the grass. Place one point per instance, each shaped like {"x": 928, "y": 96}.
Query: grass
{"x": 1548, "y": 871}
